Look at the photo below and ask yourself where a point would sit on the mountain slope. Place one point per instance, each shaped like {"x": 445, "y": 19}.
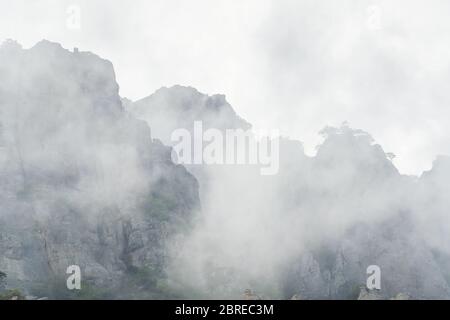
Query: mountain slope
{"x": 312, "y": 229}
{"x": 81, "y": 181}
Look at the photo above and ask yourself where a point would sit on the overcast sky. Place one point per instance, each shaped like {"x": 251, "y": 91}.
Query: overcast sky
{"x": 384, "y": 66}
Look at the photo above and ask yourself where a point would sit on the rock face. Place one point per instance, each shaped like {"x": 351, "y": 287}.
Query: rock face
{"x": 325, "y": 218}
{"x": 178, "y": 107}
{"x": 82, "y": 182}
{"x": 401, "y": 296}
{"x": 367, "y": 217}
{"x": 366, "y": 294}
{"x": 337, "y": 270}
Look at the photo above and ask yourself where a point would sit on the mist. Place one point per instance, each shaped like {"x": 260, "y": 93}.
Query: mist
{"x": 257, "y": 232}
{"x": 357, "y": 90}
{"x": 305, "y": 64}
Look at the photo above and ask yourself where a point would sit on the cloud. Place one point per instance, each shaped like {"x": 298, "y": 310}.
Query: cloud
{"x": 305, "y": 64}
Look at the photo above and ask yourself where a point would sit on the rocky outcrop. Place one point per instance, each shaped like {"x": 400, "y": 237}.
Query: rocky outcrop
{"x": 366, "y": 294}
{"x": 337, "y": 270}
{"x": 82, "y": 182}
{"x": 367, "y": 217}
{"x": 340, "y": 211}
{"x": 178, "y": 107}
{"x": 401, "y": 296}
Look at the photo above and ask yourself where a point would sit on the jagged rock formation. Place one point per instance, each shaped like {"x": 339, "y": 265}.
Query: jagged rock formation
{"x": 367, "y": 217}
{"x": 178, "y": 107}
{"x": 82, "y": 182}
{"x": 350, "y": 192}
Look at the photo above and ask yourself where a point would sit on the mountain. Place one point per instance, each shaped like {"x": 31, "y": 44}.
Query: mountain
{"x": 87, "y": 179}
{"x": 179, "y": 107}
{"x": 312, "y": 229}
{"x": 82, "y": 182}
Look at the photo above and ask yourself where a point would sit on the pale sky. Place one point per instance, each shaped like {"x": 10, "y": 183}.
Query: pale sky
{"x": 292, "y": 65}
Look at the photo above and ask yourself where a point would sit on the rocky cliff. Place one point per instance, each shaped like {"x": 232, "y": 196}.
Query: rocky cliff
{"x": 82, "y": 182}
{"x": 312, "y": 229}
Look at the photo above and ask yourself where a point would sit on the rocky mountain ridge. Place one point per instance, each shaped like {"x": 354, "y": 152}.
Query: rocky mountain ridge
{"x": 365, "y": 211}
{"x": 86, "y": 178}
{"x": 81, "y": 181}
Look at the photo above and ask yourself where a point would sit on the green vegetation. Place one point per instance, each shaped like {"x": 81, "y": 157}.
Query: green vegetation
{"x": 353, "y": 291}
{"x": 160, "y": 205}
{"x": 8, "y": 294}
{"x": 12, "y": 294}
{"x": 147, "y": 283}
{"x": 2, "y": 280}
{"x": 57, "y": 289}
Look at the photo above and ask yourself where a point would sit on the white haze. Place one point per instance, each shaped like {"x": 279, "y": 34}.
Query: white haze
{"x": 289, "y": 65}
{"x": 253, "y": 228}
{"x": 292, "y": 65}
